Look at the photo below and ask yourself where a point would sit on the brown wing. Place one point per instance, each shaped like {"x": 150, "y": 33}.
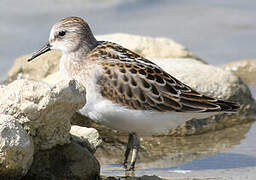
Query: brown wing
{"x": 140, "y": 84}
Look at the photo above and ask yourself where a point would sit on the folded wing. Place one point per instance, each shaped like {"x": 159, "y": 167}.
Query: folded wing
{"x": 138, "y": 83}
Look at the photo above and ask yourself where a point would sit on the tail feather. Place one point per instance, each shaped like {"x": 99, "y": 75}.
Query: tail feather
{"x": 227, "y": 106}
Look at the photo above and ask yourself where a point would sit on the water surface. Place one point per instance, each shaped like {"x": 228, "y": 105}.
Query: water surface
{"x": 226, "y": 154}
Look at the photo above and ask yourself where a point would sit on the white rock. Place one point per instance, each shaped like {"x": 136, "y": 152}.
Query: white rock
{"x": 35, "y": 70}
{"x": 16, "y": 148}
{"x": 53, "y": 78}
{"x": 245, "y": 69}
{"x": 86, "y": 136}
{"x": 43, "y": 110}
{"x": 149, "y": 47}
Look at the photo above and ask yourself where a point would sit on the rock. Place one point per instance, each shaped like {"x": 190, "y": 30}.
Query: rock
{"x": 71, "y": 161}
{"x": 245, "y": 69}
{"x": 44, "y": 111}
{"x": 53, "y": 78}
{"x": 43, "y": 66}
{"x": 88, "y": 137}
{"x": 16, "y": 148}
{"x": 149, "y": 47}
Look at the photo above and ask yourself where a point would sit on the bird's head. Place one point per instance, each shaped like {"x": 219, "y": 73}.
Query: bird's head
{"x": 69, "y": 35}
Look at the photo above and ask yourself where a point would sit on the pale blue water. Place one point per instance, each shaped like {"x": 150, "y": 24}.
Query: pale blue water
{"x": 218, "y": 31}
{"x": 237, "y": 162}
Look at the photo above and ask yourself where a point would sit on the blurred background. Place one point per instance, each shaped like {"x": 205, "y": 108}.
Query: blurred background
{"x": 217, "y": 31}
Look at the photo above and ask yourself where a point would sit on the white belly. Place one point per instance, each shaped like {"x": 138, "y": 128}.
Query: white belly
{"x": 142, "y": 122}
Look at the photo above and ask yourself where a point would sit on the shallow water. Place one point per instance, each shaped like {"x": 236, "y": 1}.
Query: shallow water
{"x": 228, "y": 154}
{"x": 218, "y": 31}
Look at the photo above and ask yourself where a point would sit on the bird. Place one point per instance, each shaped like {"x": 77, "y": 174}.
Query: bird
{"x": 124, "y": 90}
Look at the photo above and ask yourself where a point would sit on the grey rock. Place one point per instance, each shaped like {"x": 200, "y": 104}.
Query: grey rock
{"x": 70, "y": 161}
{"x": 16, "y": 148}
{"x": 44, "y": 111}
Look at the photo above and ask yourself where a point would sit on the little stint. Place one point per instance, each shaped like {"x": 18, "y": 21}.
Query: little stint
{"x": 124, "y": 90}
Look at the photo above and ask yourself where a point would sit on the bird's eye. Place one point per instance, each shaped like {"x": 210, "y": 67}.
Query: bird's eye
{"x": 62, "y": 33}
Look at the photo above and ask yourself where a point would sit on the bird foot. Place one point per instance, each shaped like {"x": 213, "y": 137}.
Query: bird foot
{"x": 131, "y": 168}
{"x": 125, "y": 165}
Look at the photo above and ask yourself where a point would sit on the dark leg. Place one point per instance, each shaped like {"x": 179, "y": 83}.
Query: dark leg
{"x": 128, "y": 149}
{"x": 135, "y": 150}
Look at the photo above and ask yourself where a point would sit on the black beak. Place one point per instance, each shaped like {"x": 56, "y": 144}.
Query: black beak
{"x": 43, "y": 50}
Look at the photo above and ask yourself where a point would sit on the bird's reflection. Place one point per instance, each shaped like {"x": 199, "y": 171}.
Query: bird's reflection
{"x": 166, "y": 151}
